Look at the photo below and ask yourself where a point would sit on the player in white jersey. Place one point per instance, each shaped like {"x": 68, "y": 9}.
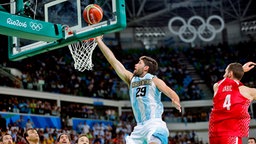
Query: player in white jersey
{"x": 145, "y": 94}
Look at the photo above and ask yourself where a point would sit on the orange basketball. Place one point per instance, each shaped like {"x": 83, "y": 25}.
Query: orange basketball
{"x": 93, "y": 14}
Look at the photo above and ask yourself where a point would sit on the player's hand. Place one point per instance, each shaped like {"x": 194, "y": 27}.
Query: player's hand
{"x": 177, "y": 105}
{"x": 99, "y": 38}
{"x": 248, "y": 66}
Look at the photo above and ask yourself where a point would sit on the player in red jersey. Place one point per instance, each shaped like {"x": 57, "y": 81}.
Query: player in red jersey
{"x": 229, "y": 119}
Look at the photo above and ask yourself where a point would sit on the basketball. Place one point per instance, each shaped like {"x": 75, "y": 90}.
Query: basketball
{"x": 93, "y": 14}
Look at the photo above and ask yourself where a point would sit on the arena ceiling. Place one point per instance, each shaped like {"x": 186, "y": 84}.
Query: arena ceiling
{"x": 157, "y": 13}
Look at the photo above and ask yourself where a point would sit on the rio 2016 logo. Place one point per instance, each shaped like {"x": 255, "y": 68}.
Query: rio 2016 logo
{"x": 33, "y": 25}
{"x": 16, "y": 23}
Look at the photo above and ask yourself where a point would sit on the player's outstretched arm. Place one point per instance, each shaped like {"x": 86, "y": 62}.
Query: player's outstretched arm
{"x": 124, "y": 74}
{"x": 248, "y": 66}
{"x": 161, "y": 85}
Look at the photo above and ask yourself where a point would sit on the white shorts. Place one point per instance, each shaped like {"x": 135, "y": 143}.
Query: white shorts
{"x": 142, "y": 133}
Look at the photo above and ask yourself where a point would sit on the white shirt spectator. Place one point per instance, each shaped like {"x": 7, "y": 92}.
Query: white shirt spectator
{"x": 86, "y": 128}
{"x": 29, "y": 124}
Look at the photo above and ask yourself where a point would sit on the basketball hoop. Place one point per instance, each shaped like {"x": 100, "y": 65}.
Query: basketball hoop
{"x": 82, "y": 53}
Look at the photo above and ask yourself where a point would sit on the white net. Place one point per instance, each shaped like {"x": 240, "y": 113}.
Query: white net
{"x": 82, "y": 54}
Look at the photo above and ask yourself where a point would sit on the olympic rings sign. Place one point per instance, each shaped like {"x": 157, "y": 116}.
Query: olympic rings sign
{"x": 36, "y": 26}
{"x": 204, "y": 27}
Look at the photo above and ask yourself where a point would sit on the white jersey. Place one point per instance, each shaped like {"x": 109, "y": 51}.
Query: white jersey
{"x": 145, "y": 98}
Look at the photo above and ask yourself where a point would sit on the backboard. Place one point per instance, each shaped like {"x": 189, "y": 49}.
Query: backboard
{"x": 35, "y": 28}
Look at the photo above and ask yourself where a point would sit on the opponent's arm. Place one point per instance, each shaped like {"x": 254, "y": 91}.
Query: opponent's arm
{"x": 247, "y": 92}
{"x": 250, "y": 93}
{"x": 253, "y": 93}
{"x": 161, "y": 85}
{"x": 124, "y": 74}
{"x": 248, "y": 66}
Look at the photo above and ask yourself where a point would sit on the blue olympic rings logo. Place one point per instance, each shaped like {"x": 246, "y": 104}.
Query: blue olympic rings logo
{"x": 36, "y": 26}
{"x": 199, "y": 31}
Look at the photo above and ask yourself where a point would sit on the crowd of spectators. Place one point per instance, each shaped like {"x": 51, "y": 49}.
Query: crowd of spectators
{"x": 29, "y": 105}
{"x": 185, "y": 137}
{"x": 113, "y": 134}
{"x": 106, "y": 134}
{"x": 54, "y": 72}
{"x": 211, "y": 61}
{"x": 69, "y": 110}
{"x": 190, "y": 115}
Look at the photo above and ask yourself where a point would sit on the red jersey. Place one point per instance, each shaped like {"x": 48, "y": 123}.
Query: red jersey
{"x": 229, "y": 116}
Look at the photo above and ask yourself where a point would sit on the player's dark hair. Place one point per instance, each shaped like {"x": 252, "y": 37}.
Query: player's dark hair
{"x": 151, "y": 63}
{"x": 252, "y": 138}
{"x": 237, "y": 70}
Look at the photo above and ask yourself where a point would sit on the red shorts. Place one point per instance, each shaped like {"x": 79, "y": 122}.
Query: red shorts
{"x": 226, "y": 140}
